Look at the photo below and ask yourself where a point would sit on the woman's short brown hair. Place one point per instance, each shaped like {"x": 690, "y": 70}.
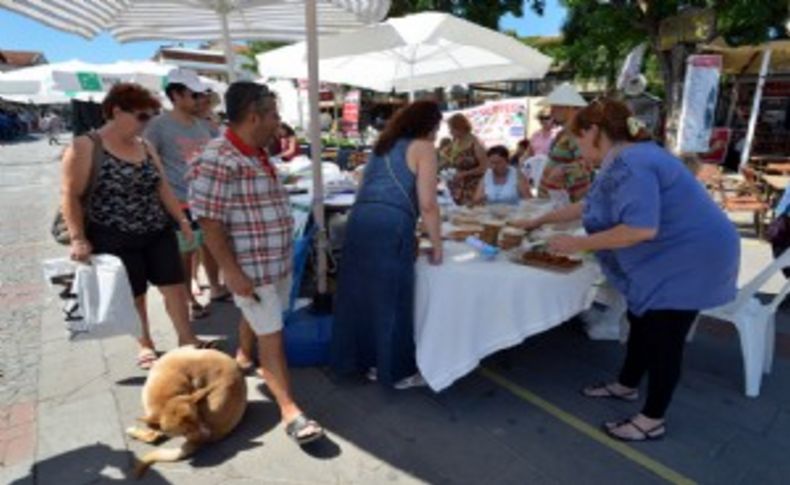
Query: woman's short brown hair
{"x": 128, "y": 97}
{"x": 460, "y": 122}
{"x": 612, "y": 117}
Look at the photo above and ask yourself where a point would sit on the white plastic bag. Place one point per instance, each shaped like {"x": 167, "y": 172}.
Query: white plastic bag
{"x": 105, "y": 301}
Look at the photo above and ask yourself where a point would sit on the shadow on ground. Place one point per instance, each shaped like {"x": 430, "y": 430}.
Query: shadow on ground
{"x": 79, "y": 466}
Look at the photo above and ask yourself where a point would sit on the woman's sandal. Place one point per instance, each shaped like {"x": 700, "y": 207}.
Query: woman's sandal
{"x": 146, "y": 359}
{"x": 221, "y": 297}
{"x": 603, "y": 390}
{"x": 297, "y": 427}
{"x": 655, "y": 433}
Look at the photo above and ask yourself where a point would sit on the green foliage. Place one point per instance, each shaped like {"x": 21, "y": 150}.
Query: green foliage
{"x": 598, "y": 35}
{"x": 483, "y": 12}
{"x": 258, "y": 47}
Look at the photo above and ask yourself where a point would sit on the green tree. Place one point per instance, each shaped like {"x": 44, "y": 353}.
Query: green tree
{"x": 483, "y": 12}
{"x": 258, "y": 47}
{"x": 599, "y": 33}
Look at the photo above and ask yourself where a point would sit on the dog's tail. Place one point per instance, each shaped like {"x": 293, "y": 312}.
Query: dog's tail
{"x": 163, "y": 455}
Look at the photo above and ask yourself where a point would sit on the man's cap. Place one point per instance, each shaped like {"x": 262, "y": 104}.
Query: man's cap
{"x": 188, "y": 78}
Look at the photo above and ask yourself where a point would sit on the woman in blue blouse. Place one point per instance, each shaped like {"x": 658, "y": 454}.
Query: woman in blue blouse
{"x": 661, "y": 241}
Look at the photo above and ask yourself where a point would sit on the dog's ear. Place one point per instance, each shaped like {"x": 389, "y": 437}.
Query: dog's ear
{"x": 150, "y": 421}
{"x": 199, "y": 395}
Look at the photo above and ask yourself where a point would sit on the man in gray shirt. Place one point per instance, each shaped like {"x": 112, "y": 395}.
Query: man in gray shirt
{"x": 179, "y": 137}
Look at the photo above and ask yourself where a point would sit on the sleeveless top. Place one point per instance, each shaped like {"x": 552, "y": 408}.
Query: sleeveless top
{"x": 389, "y": 181}
{"x": 506, "y": 193}
{"x": 126, "y": 196}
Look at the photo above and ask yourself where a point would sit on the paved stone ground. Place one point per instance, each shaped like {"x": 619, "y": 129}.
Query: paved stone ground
{"x": 28, "y": 184}
{"x": 64, "y": 405}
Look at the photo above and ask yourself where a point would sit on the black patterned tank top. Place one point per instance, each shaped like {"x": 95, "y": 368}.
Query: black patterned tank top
{"x": 126, "y": 196}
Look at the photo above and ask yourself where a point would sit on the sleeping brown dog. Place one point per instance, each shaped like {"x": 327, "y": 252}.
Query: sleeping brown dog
{"x": 199, "y": 394}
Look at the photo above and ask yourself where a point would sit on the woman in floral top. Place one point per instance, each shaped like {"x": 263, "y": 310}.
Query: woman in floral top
{"x": 468, "y": 156}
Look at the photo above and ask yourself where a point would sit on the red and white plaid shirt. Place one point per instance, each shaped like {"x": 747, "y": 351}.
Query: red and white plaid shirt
{"x": 234, "y": 183}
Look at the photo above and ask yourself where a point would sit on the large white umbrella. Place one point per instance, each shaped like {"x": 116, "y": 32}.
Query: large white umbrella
{"x": 420, "y": 51}
{"x": 285, "y": 20}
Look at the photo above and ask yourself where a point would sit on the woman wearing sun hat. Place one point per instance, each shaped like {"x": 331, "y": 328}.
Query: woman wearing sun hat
{"x": 566, "y": 173}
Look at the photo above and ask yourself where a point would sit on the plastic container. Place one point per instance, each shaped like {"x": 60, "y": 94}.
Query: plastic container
{"x": 487, "y": 251}
{"x": 307, "y": 337}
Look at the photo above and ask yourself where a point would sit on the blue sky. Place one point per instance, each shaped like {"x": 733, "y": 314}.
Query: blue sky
{"x": 20, "y": 33}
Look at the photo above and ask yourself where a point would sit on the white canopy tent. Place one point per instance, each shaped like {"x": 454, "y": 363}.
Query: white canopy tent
{"x": 36, "y": 85}
{"x": 285, "y": 20}
{"x": 63, "y": 81}
{"x": 420, "y": 51}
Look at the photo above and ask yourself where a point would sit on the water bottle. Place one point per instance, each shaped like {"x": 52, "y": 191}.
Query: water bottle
{"x": 487, "y": 251}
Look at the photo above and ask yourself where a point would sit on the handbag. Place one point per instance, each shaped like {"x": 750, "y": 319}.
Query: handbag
{"x": 59, "y": 229}
{"x": 778, "y": 232}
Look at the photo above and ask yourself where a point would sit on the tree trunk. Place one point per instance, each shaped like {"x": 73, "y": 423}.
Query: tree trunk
{"x": 673, "y": 72}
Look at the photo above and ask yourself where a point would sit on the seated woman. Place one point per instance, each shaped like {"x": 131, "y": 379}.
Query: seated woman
{"x": 289, "y": 145}
{"x": 501, "y": 183}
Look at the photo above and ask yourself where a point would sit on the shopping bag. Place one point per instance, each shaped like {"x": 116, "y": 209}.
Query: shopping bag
{"x": 105, "y": 305}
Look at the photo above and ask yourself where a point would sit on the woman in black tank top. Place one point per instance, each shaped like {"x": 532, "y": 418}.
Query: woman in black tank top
{"x": 127, "y": 210}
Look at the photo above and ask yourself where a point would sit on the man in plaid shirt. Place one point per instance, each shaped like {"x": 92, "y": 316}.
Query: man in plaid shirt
{"x": 245, "y": 215}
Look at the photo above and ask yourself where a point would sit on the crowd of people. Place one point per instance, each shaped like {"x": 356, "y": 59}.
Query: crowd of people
{"x": 17, "y": 121}
{"x": 174, "y": 189}
{"x": 658, "y": 236}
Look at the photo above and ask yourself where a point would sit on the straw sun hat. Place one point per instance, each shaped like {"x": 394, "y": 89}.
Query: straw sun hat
{"x": 564, "y": 95}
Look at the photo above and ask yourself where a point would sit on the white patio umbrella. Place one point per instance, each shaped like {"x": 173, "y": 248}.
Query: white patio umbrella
{"x": 285, "y": 20}
{"x": 419, "y": 51}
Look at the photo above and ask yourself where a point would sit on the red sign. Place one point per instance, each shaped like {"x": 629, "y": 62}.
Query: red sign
{"x": 719, "y": 141}
{"x": 351, "y": 112}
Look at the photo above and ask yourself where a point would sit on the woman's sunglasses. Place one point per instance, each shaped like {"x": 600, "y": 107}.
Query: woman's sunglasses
{"x": 142, "y": 116}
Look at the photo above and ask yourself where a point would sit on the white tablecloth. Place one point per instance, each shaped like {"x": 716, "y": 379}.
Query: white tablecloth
{"x": 467, "y": 308}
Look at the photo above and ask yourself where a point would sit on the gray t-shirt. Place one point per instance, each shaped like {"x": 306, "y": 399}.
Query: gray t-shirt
{"x": 178, "y": 145}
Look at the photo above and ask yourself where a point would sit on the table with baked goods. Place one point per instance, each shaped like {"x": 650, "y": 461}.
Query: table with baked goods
{"x": 468, "y": 307}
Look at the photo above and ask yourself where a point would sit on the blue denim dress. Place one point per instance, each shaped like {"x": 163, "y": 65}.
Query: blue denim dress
{"x": 374, "y": 305}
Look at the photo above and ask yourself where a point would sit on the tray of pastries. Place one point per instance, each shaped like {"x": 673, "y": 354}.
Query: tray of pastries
{"x": 540, "y": 258}
{"x": 460, "y": 233}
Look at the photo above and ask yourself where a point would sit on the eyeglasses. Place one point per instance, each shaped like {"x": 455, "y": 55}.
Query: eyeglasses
{"x": 142, "y": 116}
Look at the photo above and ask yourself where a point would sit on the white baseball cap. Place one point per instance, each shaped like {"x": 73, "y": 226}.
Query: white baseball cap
{"x": 188, "y": 78}
{"x": 564, "y": 95}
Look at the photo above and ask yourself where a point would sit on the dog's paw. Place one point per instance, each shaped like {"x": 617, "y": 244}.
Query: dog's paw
{"x": 149, "y": 436}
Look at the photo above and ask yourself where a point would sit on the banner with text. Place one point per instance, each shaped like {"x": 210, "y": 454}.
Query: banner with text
{"x": 698, "y": 112}
{"x": 500, "y": 122}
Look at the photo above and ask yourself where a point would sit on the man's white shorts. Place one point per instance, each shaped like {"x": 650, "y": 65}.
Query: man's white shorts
{"x": 266, "y": 316}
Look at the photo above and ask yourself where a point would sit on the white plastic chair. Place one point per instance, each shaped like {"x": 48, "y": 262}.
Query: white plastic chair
{"x": 755, "y": 322}
{"x": 532, "y": 168}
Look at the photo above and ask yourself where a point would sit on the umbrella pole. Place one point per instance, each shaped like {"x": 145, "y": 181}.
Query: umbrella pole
{"x": 321, "y": 301}
{"x": 758, "y": 96}
{"x": 230, "y": 58}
